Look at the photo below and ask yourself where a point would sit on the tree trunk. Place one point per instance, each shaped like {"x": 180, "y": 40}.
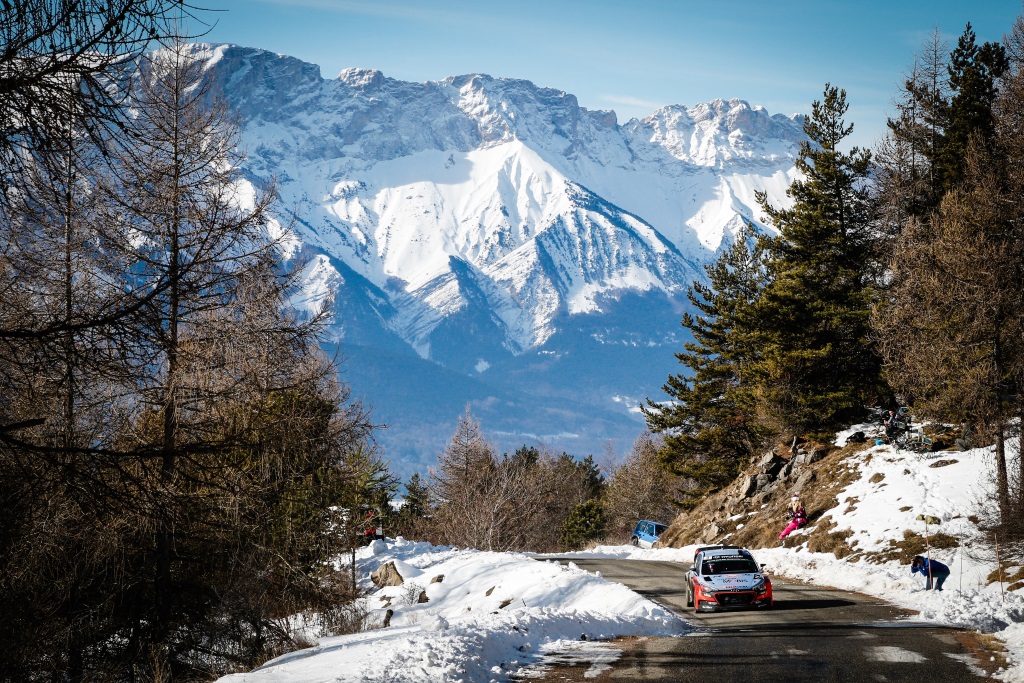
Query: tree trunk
{"x": 1020, "y": 466}
{"x": 1002, "y": 478}
{"x": 165, "y": 529}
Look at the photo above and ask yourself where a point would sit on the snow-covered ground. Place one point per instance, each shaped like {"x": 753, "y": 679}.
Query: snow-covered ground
{"x": 496, "y": 614}
{"x": 490, "y": 615}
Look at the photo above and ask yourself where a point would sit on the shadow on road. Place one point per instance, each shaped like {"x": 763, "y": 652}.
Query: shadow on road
{"x": 811, "y": 604}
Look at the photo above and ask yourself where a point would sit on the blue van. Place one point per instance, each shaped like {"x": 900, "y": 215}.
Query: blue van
{"x": 646, "y": 532}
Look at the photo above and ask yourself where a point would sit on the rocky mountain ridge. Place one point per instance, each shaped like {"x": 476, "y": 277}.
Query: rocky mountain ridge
{"x": 528, "y": 254}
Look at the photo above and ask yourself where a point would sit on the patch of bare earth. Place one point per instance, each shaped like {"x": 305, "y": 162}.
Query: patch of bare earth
{"x": 987, "y": 650}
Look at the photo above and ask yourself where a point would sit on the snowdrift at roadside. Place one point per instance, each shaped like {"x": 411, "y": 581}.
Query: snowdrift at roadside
{"x": 489, "y": 616}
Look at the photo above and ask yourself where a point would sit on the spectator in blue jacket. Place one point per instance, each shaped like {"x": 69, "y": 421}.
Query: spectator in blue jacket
{"x": 932, "y": 569}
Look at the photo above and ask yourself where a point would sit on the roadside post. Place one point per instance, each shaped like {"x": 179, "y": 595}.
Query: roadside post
{"x": 999, "y": 567}
{"x": 928, "y": 519}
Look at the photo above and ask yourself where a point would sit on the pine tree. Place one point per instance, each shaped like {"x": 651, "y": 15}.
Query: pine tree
{"x": 585, "y": 523}
{"x": 907, "y": 175}
{"x": 60, "y": 61}
{"x": 417, "y": 497}
{"x": 710, "y": 427}
{"x": 469, "y": 492}
{"x": 973, "y": 75}
{"x": 946, "y": 100}
{"x": 816, "y": 363}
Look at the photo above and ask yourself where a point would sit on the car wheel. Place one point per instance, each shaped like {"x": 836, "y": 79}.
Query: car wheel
{"x": 635, "y": 541}
{"x": 689, "y": 596}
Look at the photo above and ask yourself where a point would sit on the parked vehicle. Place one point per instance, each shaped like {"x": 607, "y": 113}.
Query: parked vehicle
{"x": 646, "y": 532}
{"x": 723, "y": 578}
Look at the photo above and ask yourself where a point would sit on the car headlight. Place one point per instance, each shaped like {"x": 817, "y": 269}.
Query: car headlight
{"x": 761, "y": 587}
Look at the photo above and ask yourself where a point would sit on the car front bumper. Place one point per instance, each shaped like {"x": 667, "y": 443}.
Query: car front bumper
{"x": 740, "y": 599}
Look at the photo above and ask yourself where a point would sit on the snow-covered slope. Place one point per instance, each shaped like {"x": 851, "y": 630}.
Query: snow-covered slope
{"x": 475, "y": 221}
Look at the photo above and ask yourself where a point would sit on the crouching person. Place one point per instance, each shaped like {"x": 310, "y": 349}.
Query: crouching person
{"x": 933, "y": 570}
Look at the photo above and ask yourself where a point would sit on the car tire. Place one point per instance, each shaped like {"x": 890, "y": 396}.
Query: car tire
{"x": 689, "y": 596}
{"x": 635, "y": 541}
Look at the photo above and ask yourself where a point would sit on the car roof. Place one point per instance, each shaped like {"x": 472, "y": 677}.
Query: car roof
{"x": 726, "y": 553}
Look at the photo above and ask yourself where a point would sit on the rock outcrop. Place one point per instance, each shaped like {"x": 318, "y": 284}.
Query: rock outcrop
{"x": 751, "y": 511}
{"x": 386, "y": 575}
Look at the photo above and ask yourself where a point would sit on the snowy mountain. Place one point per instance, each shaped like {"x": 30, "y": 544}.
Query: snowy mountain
{"x": 490, "y": 242}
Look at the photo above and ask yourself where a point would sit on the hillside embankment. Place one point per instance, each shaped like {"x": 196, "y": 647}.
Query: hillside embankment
{"x": 751, "y": 512}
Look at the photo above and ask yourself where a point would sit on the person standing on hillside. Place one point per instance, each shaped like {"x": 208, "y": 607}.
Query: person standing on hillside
{"x": 931, "y": 569}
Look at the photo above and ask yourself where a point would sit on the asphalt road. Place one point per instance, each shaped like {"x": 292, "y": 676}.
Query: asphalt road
{"x": 812, "y": 634}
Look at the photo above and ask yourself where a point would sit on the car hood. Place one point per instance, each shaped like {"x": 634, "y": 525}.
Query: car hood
{"x": 732, "y": 581}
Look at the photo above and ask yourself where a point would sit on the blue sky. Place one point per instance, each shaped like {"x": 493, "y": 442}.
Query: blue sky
{"x": 631, "y": 56}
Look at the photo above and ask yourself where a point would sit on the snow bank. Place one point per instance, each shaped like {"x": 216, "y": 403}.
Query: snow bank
{"x": 490, "y": 616}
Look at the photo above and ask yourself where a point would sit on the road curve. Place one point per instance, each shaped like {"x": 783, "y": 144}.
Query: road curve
{"x": 812, "y": 634}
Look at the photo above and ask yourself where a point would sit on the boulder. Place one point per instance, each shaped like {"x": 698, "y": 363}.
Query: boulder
{"x": 815, "y": 455}
{"x": 750, "y": 488}
{"x": 711, "y": 533}
{"x": 386, "y": 575}
{"x": 804, "y": 479}
{"x": 437, "y": 579}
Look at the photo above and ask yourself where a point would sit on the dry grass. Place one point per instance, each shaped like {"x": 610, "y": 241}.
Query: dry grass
{"x": 1012, "y": 574}
{"x": 824, "y": 540}
{"x": 944, "y": 462}
{"x": 911, "y": 545}
{"x": 988, "y": 651}
{"x": 876, "y": 477}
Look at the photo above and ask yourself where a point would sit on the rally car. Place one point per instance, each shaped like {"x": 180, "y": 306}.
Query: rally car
{"x": 724, "y": 578}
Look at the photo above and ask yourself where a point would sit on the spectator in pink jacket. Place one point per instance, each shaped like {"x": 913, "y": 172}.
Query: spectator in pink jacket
{"x": 797, "y": 517}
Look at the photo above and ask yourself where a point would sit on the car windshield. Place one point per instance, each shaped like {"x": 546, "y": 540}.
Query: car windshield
{"x": 730, "y": 566}
{"x": 659, "y": 529}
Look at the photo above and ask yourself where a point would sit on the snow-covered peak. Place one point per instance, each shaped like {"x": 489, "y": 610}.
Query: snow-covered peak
{"x": 367, "y": 79}
{"x": 721, "y": 131}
